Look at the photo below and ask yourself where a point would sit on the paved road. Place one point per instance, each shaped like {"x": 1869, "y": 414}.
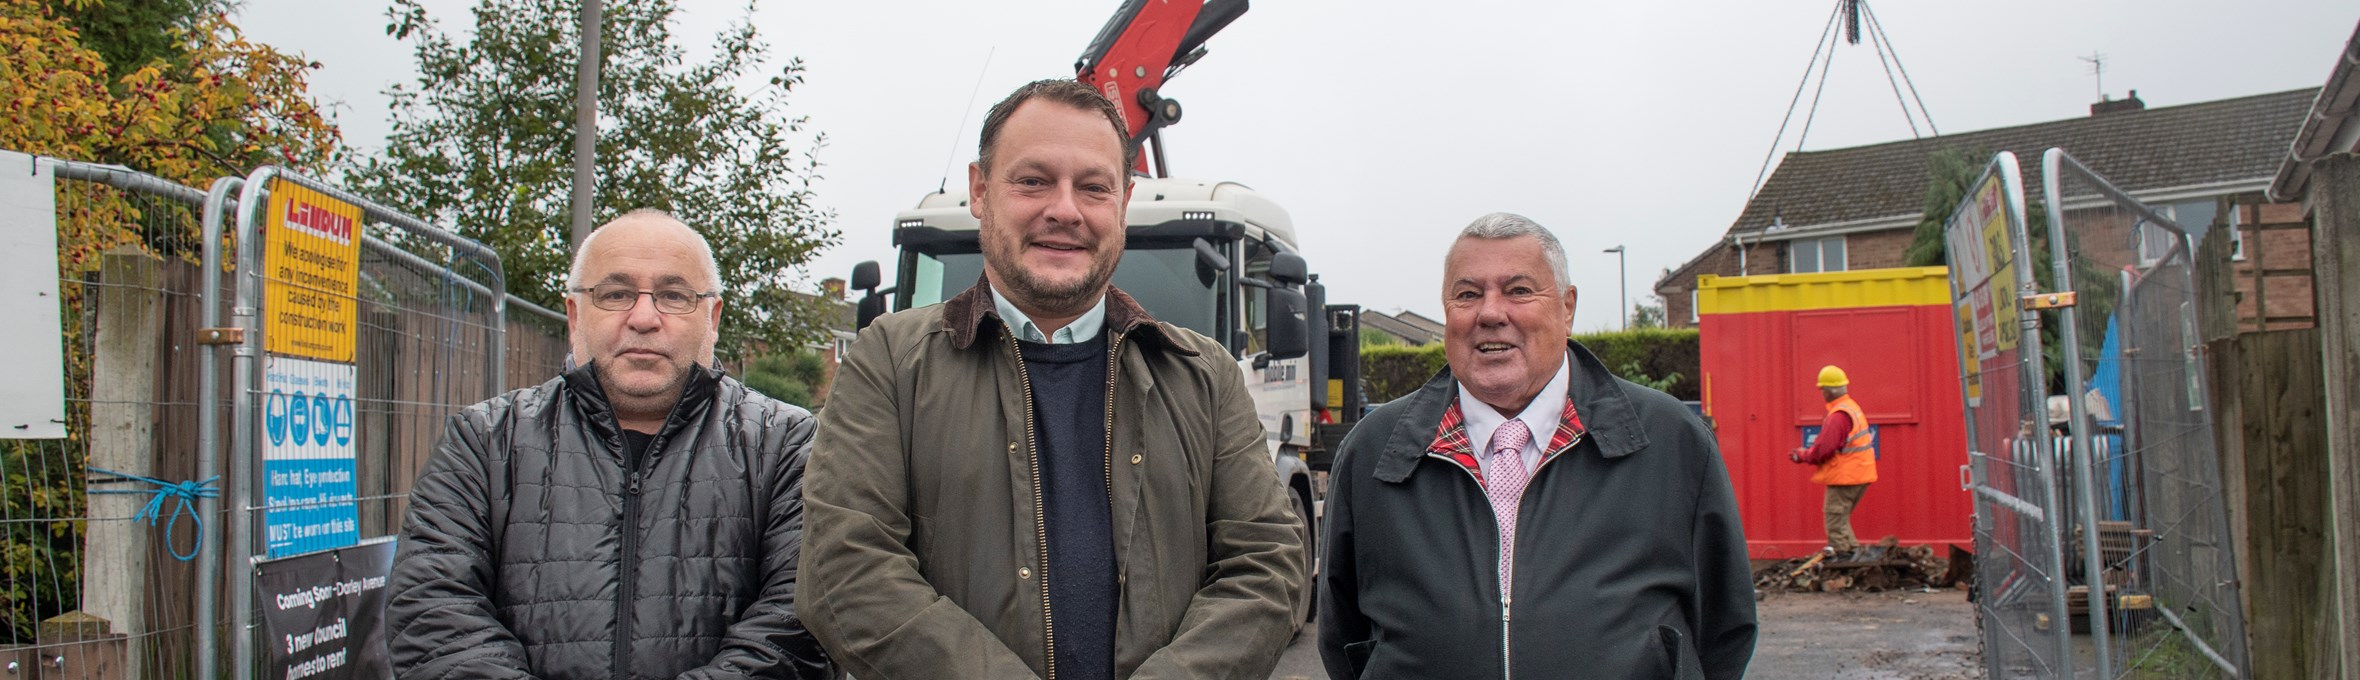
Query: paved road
{"x": 1301, "y": 661}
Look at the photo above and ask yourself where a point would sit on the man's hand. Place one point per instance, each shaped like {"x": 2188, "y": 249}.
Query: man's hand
{"x": 1795, "y": 456}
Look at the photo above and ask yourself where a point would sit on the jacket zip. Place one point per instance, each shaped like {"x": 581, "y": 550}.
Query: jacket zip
{"x": 627, "y": 586}
{"x": 1040, "y": 511}
{"x": 1507, "y": 592}
{"x": 1114, "y": 351}
{"x": 627, "y": 583}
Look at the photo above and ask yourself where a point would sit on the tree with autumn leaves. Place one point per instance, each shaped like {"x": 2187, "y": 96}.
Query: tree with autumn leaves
{"x": 166, "y": 87}
{"x": 200, "y": 101}
{"x": 214, "y": 105}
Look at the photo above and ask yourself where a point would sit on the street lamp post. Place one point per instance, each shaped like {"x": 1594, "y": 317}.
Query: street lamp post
{"x": 586, "y": 123}
{"x": 1623, "y": 305}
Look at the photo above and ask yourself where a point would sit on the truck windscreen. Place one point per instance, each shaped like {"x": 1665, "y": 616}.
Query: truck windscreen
{"x": 1164, "y": 280}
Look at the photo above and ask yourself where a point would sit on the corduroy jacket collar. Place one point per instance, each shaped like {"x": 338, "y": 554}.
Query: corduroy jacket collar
{"x": 965, "y": 315}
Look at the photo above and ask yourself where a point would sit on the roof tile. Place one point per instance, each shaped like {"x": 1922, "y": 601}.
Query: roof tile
{"x": 2191, "y": 144}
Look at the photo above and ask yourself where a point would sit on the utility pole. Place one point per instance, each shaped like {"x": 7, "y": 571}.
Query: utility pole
{"x": 586, "y": 121}
{"x": 1623, "y": 305}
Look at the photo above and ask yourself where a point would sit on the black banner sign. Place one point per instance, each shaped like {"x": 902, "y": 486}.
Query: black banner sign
{"x": 321, "y": 613}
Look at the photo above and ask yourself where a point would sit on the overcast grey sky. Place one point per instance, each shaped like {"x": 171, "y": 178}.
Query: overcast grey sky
{"x": 1384, "y": 126}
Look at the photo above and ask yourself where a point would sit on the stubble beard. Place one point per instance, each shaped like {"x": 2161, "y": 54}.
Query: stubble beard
{"x": 1078, "y": 295}
{"x": 621, "y": 398}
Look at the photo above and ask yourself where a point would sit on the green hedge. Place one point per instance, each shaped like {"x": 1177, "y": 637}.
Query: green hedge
{"x": 1657, "y": 353}
{"x": 1390, "y": 371}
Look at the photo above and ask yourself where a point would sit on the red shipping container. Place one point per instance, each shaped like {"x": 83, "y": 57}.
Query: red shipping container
{"x": 1763, "y": 340}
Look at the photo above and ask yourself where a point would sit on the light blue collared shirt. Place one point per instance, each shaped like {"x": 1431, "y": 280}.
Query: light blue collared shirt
{"x": 1082, "y": 329}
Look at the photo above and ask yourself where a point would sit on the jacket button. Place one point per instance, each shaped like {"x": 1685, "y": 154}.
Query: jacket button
{"x": 1011, "y": 447}
{"x": 1024, "y": 573}
{"x": 1134, "y": 459}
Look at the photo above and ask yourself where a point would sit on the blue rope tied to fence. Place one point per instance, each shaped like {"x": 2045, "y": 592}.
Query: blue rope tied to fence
{"x": 186, "y": 491}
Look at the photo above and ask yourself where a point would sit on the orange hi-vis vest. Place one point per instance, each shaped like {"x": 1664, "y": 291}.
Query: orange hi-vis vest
{"x": 1856, "y": 463}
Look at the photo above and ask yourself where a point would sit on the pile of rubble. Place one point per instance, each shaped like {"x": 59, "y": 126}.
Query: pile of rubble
{"x": 1874, "y": 568}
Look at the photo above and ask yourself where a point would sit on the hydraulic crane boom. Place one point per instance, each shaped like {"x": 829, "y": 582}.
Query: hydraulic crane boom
{"x": 1142, "y": 46}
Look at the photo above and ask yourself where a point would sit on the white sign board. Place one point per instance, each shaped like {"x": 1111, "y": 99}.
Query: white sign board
{"x": 33, "y": 398}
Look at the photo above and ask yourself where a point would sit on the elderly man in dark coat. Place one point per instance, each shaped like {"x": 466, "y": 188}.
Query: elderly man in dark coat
{"x": 1526, "y": 513}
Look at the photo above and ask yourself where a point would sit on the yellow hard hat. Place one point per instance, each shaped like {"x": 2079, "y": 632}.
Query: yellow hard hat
{"x": 1833, "y": 377}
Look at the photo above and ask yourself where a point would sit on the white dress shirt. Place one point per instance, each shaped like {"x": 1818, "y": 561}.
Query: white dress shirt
{"x": 1541, "y": 417}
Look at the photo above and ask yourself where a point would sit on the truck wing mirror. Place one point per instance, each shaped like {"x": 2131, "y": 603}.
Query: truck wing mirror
{"x": 1290, "y": 323}
{"x": 1289, "y": 269}
{"x": 865, "y": 276}
{"x": 872, "y": 306}
{"x": 1209, "y": 262}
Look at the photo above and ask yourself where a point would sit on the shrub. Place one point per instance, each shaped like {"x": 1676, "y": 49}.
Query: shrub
{"x": 1389, "y": 371}
{"x": 1665, "y": 359}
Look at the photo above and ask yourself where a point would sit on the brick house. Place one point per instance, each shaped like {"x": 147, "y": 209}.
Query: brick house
{"x": 2282, "y": 255}
{"x": 2205, "y": 165}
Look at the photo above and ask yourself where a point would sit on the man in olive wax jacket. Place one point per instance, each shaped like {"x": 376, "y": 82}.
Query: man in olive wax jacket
{"x": 1035, "y": 478}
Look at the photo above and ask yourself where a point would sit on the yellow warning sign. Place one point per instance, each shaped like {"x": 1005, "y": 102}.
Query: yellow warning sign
{"x": 311, "y": 269}
{"x": 2003, "y": 288}
{"x": 1970, "y": 361}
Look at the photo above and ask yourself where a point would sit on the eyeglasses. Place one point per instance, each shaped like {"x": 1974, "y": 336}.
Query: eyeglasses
{"x": 616, "y": 297}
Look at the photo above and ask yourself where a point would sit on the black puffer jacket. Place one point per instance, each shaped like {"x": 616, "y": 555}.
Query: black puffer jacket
{"x": 513, "y": 562}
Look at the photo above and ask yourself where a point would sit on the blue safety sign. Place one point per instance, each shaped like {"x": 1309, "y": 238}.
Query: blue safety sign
{"x": 307, "y": 459}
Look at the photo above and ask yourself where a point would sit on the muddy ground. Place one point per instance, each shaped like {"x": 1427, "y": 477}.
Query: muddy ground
{"x": 1905, "y": 635}
{"x": 1910, "y": 634}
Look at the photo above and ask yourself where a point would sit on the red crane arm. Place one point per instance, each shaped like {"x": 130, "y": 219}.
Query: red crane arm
{"x": 1142, "y": 46}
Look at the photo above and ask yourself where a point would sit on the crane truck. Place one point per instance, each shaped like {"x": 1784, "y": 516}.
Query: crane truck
{"x": 1214, "y": 257}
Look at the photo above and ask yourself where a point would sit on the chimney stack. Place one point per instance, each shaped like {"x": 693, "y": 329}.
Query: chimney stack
{"x": 2111, "y": 105}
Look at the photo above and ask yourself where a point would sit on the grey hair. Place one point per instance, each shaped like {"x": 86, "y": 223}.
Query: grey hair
{"x": 1502, "y": 226}
{"x": 704, "y": 250}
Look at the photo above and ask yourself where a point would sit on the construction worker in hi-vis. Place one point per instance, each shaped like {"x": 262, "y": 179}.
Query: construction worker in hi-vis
{"x": 1846, "y": 456}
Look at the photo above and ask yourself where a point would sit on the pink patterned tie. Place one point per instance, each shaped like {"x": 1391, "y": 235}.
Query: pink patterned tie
{"x": 1504, "y": 479}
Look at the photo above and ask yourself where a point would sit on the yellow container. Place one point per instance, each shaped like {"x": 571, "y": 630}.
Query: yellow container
{"x": 1829, "y": 290}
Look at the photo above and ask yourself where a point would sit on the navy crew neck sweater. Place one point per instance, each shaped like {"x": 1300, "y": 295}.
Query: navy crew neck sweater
{"x": 1069, "y": 386}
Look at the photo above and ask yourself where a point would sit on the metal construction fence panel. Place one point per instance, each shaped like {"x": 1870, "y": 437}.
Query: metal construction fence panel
{"x": 252, "y": 377}
{"x": 536, "y": 346}
{"x": 107, "y": 522}
{"x": 385, "y": 325}
{"x": 2134, "y": 397}
{"x": 2019, "y": 571}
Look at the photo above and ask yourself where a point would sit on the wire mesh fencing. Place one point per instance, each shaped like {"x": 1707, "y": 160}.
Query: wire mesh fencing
{"x": 248, "y": 381}
{"x": 2020, "y": 581}
{"x": 537, "y": 348}
{"x": 367, "y": 330}
{"x": 107, "y": 516}
{"x": 2149, "y": 521}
